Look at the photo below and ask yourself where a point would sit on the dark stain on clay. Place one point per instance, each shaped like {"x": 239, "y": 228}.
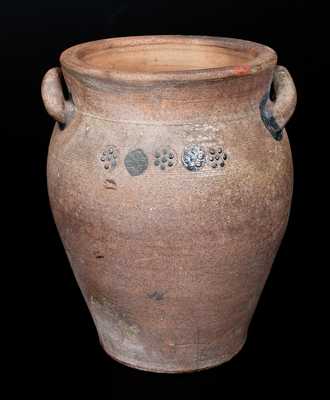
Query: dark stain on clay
{"x": 110, "y": 184}
{"x": 269, "y": 120}
{"x": 61, "y": 126}
{"x": 99, "y": 256}
{"x": 156, "y": 295}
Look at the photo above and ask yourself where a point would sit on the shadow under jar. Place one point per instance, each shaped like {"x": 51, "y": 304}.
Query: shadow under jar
{"x": 170, "y": 181}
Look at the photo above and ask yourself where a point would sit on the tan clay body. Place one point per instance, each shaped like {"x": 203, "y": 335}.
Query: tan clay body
{"x": 170, "y": 181}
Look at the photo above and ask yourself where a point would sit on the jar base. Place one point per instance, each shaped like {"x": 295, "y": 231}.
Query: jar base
{"x": 214, "y": 363}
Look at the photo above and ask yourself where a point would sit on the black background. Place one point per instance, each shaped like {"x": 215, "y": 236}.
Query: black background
{"x": 52, "y": 342}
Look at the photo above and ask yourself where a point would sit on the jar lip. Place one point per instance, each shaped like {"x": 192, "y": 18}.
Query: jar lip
{"x": 258, "y": 58}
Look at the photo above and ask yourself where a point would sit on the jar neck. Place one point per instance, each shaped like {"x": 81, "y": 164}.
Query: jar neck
{"x": 169, "y": 102}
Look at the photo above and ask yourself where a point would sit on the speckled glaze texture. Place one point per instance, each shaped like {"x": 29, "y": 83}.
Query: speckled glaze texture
{"x": 171, "y": 195}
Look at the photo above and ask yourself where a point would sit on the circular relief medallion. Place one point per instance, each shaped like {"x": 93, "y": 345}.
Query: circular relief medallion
{"x": 194, "y": 157}
{"x": 109, "y": 157}
{"x": 136, "y": 162}
{"x": 216, "y": 156}
{"x": 165, "y": 158}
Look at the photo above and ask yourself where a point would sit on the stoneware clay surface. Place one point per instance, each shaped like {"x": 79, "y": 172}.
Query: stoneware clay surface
{"x": 170, "y": 181}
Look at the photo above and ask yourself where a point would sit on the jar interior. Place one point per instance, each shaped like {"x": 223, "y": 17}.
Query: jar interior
{"x": 165, "y": 57}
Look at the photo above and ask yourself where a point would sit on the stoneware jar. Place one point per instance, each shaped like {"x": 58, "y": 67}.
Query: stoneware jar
{"x": 170, "y": 181}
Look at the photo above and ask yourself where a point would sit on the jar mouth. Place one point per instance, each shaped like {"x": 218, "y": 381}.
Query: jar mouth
{"x": 143, "y": 59}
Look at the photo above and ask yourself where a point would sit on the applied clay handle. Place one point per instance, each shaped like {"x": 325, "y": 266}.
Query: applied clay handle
{"x": 52, "y": 95}
{"x": 276, "y": 114}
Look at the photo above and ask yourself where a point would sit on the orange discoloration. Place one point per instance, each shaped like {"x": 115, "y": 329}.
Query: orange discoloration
{"x": 242, "y": 70}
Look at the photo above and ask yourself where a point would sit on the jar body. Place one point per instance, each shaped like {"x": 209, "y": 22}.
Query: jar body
{"x": 171, "y": 261}
{"x": 171, "y": 190}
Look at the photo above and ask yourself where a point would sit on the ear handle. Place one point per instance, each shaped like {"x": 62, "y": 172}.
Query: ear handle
{"x": 52, "y": 95}
{"x": 276, "y": 114}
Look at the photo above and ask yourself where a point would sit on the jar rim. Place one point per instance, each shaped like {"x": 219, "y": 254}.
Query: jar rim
{"x": 243, "y": 58}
